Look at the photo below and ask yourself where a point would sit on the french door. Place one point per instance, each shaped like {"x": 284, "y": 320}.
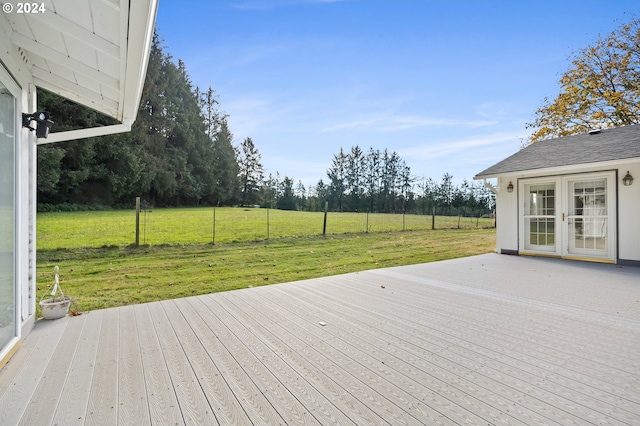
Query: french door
{"x": 570, "y": 216}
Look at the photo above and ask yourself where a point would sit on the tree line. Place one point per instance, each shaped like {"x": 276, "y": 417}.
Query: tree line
{"x": 181, "y": 152}
{"x": 381, "y": 181}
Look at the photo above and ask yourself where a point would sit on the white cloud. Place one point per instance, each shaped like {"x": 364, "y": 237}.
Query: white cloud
{"x": 402, "y": 123}
{"x": 348, "y": 125}
{"x": 388, "y": 123}
{"x": 431, "y": 150}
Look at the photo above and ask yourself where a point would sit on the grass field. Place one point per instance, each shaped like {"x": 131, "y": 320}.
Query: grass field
{"x": 116, "y": 276}
{"x": 220, "y": 225}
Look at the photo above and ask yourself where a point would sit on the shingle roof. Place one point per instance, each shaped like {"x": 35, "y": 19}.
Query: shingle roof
{"x": 609, "y": 144}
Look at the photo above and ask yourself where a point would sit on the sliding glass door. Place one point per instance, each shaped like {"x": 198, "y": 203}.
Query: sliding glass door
{"x": 8, "y": 329}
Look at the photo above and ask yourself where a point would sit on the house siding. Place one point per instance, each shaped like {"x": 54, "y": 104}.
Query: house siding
{"x": 507, "y": 216}
{"x": 629, "y": 214}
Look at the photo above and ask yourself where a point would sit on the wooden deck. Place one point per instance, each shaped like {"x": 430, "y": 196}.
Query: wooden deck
{"x": 484, "y": 340}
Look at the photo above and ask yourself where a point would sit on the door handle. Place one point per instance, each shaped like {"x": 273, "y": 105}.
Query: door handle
{"x": 563, "y": 217}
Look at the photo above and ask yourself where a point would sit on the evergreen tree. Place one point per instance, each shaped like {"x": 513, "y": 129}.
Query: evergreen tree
{"x": 269, "y": 191}
{"x": 445, "y": 193}
{"x": 355, "y": 177}
{"x": 301, "y": 196}
{"x": 287, "y": 199}
{"x": 372, "y": 178}
{"x": 337, "y": 175}
{"x": 251, "y": 172}
{"x": 224, "y": 165}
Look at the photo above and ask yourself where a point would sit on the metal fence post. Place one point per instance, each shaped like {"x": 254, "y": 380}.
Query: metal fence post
{"x": 433, "y": 218}
{"x": 137, "y": 221}
{"x": 367, "y": 230}
{"x": 213, "y": 240}
{"x": 324, "y": 224}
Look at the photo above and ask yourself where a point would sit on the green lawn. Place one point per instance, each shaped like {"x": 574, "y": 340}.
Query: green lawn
{"x": 116, "y": 276}
{"x": 196, "y": 226}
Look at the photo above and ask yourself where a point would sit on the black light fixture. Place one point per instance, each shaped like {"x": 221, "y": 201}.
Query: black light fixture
{"x": 43, "y": 124}
{"x": 510, "y": 187}
{"x": 627, "y": 180}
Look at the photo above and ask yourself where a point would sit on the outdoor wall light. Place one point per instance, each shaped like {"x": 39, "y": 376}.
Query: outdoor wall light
{"x": 510, "y": 187}
{"x": 627, "y": 180}
{"x": 43, "y": 124}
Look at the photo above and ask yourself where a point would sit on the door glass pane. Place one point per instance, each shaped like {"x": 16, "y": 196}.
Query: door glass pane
{"x": 542, "y": 199}
{"x": 588, "y": 220}
{"x": 7, "y": 208}
{"x": 539, "y": 219}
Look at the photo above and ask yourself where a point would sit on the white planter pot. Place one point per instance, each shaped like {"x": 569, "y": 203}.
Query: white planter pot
{"x": 55, "y": 310}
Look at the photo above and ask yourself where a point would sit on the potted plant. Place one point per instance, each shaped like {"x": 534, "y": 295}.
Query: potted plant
{"x": 56, "y": 306}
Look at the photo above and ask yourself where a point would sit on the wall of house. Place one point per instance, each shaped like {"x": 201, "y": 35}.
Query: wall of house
{"x": 629, "y": 214}
{"x": 507, "y": 216}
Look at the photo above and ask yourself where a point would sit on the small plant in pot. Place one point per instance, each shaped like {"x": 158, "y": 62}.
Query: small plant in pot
{"x": 57, "y": 305}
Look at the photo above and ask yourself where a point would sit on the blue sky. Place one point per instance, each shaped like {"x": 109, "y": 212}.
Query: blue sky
{"x": 448, "y": 85}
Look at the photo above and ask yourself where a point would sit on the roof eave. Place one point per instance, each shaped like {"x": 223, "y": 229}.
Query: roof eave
{"x": 566, "y": 169}
{"x": 138, "y": 49}
{"x": 90, "y": 78}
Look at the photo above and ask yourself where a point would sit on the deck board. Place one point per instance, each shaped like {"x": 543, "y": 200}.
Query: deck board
{"x": 161, "y": 396}
{"x": 28, "y": 346}
{"x": 480, "y": 340}
{"x": 102, "y": 407}
{"x": 275, "y": 392}
{"x": 306, "y": 364}
{"x": 414, "y": 385}
{"x": 133, "y": 408}
{"x": 300, "y": 346}
{"x": 225, "y": 406}
{"x": 193, "y": 403}
{"x": 17, "y": 395}
{"x": 46, "y": 396}
{"x": 245, "y": 391}
{"x": 72, "y": 408}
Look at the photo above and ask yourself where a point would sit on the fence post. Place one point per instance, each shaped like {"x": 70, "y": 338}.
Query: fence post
{"x": 403, "y": 225}
{"x": 433, "y": 218}
{"x": 367, "y": 229}
{"x": 137, "y": 221}
{"x": 458, "y": 219}
{"x": 324, "y": 223}
{"x": 213, "y": 239}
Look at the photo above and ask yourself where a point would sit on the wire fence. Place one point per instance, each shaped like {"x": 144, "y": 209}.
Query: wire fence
{"x": 177, "y": 226}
